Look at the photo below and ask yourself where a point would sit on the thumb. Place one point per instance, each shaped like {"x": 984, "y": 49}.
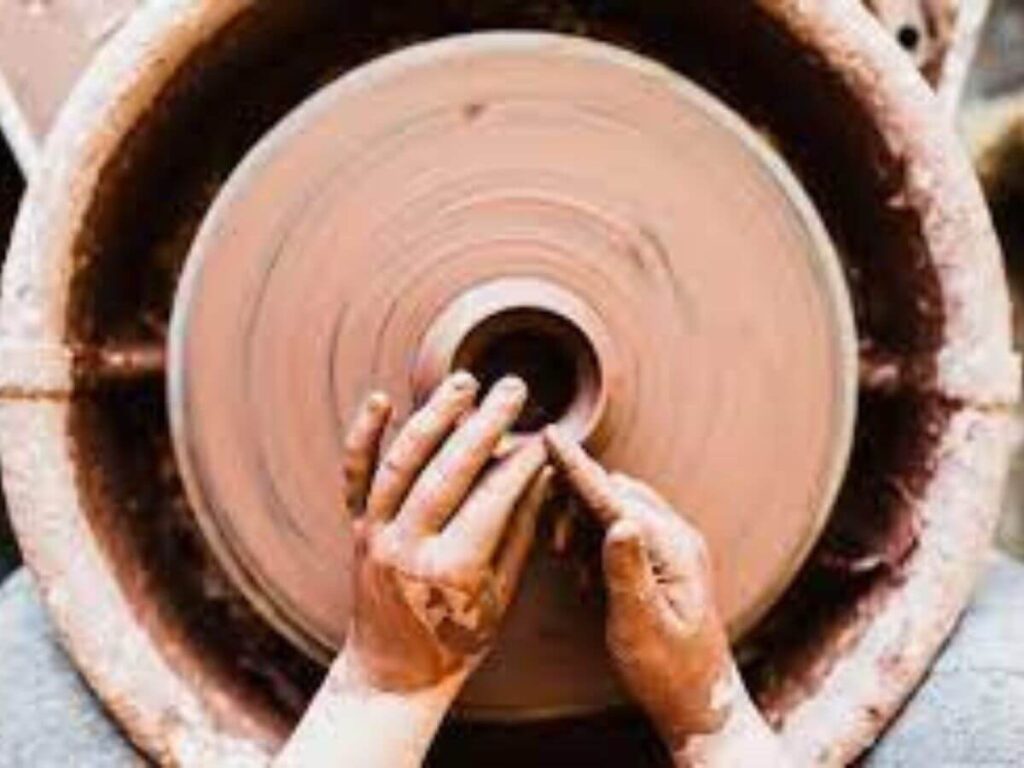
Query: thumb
{"x": 628, "y": 573}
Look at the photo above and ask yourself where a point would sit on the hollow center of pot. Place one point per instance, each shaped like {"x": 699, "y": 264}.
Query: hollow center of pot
{"x": 548, "y": 352}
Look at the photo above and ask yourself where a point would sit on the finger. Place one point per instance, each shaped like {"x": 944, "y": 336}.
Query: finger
{"x": 585, "y": 475}
{"x": 477, "y": 527}
{"x": 674, "y": 545}
{"x": 511, "y": 559}
{"x": 446, "y": 480}
{"x": 362, "y": 447}
{"x": 417, "y": 442}
{"x": 628, "y": 572}
{"x": 641, "y": 492}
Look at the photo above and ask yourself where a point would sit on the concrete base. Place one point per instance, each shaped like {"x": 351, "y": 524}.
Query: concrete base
{"x": 969, "y": 711}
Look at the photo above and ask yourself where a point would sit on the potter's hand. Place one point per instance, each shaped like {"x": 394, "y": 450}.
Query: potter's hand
{"x": 443, "y": 532}
{"x": 442, "y": 536}
{"x": 663, "y": 630}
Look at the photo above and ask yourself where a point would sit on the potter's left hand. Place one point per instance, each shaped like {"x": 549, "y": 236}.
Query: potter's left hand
{"x": 442, "y": 535}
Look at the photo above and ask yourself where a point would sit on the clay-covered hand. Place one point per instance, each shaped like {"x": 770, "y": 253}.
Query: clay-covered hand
{"x": 443, "y": 531}
{"x": 663, "y": 630}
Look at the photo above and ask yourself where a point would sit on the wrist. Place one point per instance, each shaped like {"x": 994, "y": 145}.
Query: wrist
{"x": 349, "y": 678}
{"x": 702, "y": 715}
{"x": 742, "y": 738}
{"x": 353, "y": 721}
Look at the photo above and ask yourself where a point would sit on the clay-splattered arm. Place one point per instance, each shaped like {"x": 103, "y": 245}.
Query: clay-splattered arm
{"x": 744, "y": 738}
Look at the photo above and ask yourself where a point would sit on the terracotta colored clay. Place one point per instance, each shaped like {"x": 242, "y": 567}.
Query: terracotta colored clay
{"x": 410, "y": 220}
{"x": 176, "y": 101}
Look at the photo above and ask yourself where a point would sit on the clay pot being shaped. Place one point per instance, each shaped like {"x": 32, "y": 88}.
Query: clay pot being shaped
{"x": 743, "y": 261}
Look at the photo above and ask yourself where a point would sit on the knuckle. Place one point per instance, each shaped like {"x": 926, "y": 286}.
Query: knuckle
{"x": 436, "y": 477}
{"x": 420, "y": 428}
{"x": 488, "y": 495}
{"x": 691, "y": 542}
{"x": 355, "y": 465}
{"x": 395, "y": 465}
{"x": 355, "y": 450}
{"x": 386, "y": 546}
{"x": 450, "y": 565}
{"x": 432, "y": 491}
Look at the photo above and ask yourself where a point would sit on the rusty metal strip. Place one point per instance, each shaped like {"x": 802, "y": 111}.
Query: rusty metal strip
{"x": 35, "y": 372}
{"x": 52, "y": 372}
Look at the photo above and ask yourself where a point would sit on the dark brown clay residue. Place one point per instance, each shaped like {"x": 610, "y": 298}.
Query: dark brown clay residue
{"x": 859, "y": 561}
{"x": 11, "y": 186}
{"x": 875, "y": 522}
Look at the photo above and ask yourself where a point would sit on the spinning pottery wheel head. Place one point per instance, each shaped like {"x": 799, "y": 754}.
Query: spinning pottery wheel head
{"x": 518, "y": 203}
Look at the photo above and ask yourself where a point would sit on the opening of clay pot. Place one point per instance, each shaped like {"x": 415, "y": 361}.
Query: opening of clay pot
{"x": 529, "y": 328}
{"x": 549, "y": 353}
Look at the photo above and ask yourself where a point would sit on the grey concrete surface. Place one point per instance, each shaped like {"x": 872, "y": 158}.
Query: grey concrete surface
{"x": 969, "y": 713}
{"x": 48, "y": 717}
{"x": 970, "y": 709}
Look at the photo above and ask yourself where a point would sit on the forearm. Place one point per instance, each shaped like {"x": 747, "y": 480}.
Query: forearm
{"x": 743, "y": 739}
{"x": 349, "y": 723}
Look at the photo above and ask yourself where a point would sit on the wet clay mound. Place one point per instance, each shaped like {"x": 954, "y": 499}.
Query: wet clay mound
{"x": 130, "y": 184}
{"x": 441, "y": 236}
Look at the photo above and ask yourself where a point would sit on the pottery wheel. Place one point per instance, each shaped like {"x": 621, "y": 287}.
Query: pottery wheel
{"x": 517, "y": 203}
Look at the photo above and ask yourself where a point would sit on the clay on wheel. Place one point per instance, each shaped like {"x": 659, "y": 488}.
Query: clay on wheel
{"x": 514, "y": 203}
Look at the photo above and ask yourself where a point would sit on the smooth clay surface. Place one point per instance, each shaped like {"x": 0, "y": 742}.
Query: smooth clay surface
{"x": 536, "y": 174}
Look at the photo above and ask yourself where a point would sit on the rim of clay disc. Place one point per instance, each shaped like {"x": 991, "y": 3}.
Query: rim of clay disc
{"x": 157, "y": 692}
{"x": 485, "y": 300}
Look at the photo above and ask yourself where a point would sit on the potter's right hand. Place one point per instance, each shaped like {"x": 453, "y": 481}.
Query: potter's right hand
{"x": 663, "y": 630}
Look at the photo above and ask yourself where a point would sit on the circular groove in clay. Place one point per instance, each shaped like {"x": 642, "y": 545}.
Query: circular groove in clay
{"x": 722, "y": 334}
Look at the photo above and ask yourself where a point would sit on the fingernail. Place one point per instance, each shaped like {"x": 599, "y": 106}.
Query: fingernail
{"x": 506, "y": 446}
{"x": 378, "y": 402}
{"x": 511, "y": 384}
{"x": 462, "y": 381}
{"x": 624, "y": 532}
